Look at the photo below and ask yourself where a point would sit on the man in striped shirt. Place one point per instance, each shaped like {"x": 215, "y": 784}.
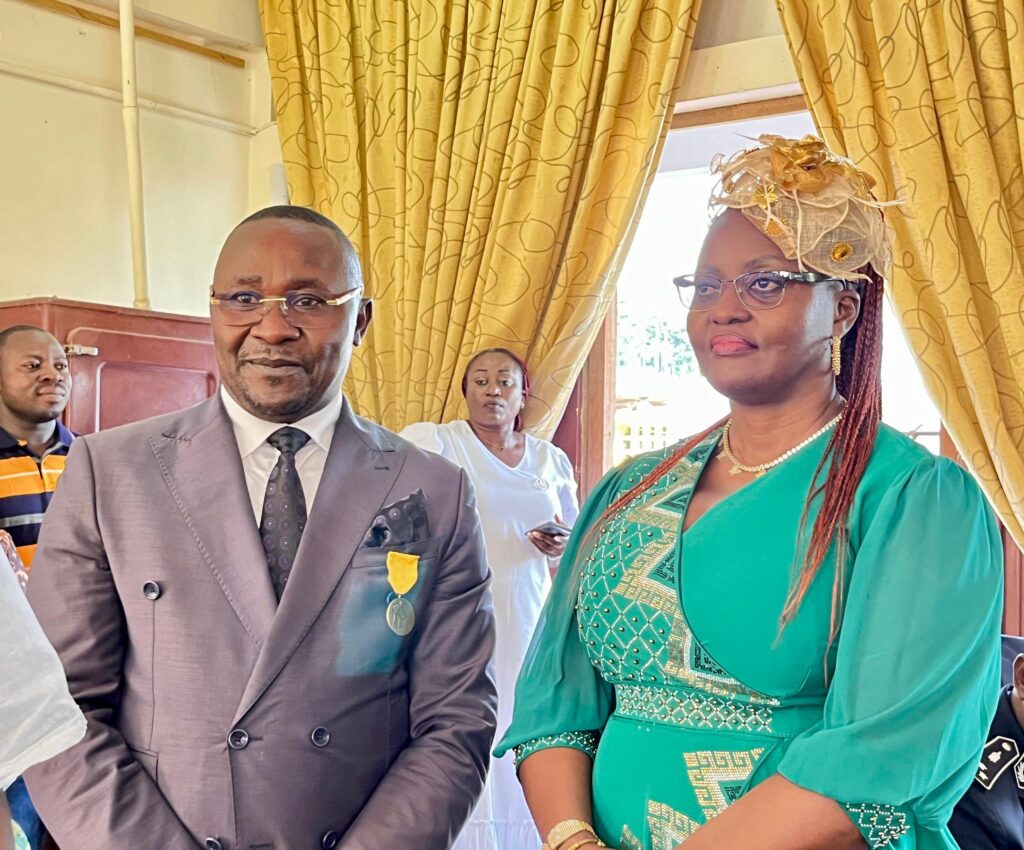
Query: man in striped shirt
{"x": 34, "y": 389}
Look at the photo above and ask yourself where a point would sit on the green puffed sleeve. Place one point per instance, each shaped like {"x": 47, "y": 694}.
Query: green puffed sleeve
{"x": 917, "y": 667}
{"x": 560, "y": 699}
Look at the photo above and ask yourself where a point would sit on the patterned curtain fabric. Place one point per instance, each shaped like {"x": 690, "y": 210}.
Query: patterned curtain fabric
{"x": 489, "y": 160}
{"x": 929, "y": 97}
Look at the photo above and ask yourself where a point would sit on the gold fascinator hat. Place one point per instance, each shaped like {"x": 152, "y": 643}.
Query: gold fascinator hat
{"x": 815, "y": 205}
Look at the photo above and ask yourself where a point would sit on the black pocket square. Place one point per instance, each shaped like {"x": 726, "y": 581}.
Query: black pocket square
{"x": 399, "y": 523}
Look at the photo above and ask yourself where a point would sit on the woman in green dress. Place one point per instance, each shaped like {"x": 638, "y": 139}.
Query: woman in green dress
{"x": 782, "y": 634}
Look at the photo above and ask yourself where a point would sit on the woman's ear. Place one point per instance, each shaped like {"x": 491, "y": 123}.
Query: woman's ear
{"x": 847, "y": 310}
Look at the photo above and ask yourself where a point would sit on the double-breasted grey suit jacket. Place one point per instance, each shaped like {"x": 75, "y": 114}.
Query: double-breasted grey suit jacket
{"x": 220, "y": 719}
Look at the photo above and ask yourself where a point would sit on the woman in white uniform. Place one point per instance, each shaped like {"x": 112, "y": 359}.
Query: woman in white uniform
{"x": 521, "y": 483}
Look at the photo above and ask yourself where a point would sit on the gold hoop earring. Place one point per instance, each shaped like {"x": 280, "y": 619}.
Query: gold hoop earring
{"x": 837, "y": 355}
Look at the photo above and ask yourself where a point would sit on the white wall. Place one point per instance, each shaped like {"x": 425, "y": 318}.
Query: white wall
{"x": 208, "y": 149}
{"x": 739, "y": 53}
{"x": 232, "y": 23}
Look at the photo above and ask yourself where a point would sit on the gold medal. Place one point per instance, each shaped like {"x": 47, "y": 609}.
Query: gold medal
{"x": 403, "y": 573}
{"x": 401, "y": 616}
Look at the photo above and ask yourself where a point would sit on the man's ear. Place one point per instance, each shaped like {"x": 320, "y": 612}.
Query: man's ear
{"x": 363, "y": 319}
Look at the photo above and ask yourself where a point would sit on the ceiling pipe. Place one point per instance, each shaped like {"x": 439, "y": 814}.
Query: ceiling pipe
{"x": 133, "y": 150}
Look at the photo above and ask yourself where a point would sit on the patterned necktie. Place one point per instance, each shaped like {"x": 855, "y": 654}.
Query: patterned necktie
{"x": 284, "y": 507}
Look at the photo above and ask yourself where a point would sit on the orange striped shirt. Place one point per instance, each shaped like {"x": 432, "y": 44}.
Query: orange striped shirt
{"x": 27, "y": 482}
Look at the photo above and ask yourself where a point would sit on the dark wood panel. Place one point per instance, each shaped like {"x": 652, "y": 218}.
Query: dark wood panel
{"x": 135, "y": 372}
{"x": 740, "y": 111}
{"x": 1013, "y": 607}
{"x": 568, "y": 434}
{"x": 597, "y": 405}
{"x": 146, "y": 363}
{"x": 60, "y": 316}
{"x": 585, "y": 431}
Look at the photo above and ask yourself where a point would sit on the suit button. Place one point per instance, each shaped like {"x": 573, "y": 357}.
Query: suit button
{"x": 330, "y": 840}
{"x": 238, "y": 739}
{"x": 213, "y": 844}
{"x": 152, "y": 590}
{"x": 320, "y": 737}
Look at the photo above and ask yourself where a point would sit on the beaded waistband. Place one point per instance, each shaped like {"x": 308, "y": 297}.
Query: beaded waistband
{"x": 692, "y": 709}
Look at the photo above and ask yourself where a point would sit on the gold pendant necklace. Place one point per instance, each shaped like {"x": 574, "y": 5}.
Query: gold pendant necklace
{"x": 762, "y": 468}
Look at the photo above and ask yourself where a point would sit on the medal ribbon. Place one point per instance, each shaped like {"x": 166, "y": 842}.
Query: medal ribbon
{"x": 403, "y": 571}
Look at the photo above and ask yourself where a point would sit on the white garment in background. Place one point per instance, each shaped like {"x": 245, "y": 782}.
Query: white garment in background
{"x": 511, "y": 501}
{"x": 38, "y": 717}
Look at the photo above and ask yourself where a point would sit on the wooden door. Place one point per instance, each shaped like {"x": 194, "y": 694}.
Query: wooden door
{"x": 126, "y": 364}
{"x": 134, "y": 375}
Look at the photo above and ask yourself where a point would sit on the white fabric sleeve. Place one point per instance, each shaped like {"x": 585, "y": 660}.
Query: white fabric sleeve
{"x": 567, "y": 490}
{"x": 425, "y": 435}
{"x": 38, "y": 717}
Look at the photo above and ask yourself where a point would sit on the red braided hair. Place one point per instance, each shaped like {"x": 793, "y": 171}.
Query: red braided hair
{"x": 849, "y": 449}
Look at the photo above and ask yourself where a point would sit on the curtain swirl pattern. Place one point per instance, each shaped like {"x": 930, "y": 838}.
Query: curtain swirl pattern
{"x": 489, "y": 160}
{"x": 928, "y": 96}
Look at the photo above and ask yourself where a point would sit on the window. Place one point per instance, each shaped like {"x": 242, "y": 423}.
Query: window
{"x": 659, "y": 394}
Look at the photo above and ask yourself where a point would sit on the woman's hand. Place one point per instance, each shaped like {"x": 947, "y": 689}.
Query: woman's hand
{"x": 6, "y": 825}
{"x": 552, "y": 545}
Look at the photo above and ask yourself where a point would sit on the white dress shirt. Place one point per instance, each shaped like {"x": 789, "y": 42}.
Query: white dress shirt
{"x": 259, "y": 457}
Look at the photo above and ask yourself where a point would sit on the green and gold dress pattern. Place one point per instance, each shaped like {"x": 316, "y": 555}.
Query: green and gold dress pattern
{"x": 660, "y": 655}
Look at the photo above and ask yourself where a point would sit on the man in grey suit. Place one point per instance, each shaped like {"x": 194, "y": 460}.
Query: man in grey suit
{"x": 251, "y": 681}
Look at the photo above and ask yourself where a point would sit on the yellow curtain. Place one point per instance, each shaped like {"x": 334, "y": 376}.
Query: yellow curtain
{"x": 489, "y": 160}
{"x": 929, "y": 97}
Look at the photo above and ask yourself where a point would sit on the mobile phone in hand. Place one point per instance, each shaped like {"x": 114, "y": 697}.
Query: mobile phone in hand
{"x": 553, "y": 528}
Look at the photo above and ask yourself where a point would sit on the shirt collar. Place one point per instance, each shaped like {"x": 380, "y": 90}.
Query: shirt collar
{"x": 7, "y": 441}
{"x": 63, "y": 435}
{"x": 252, "y": 432}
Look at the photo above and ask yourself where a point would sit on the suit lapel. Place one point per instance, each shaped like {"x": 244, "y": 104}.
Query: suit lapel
{"x": 198, "y": 457}
{"x": 362, "y": 466}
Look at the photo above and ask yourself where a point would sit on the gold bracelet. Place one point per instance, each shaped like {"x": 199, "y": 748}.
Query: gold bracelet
{"x": 593, "y": 839}
{"x": 565, "y": 830}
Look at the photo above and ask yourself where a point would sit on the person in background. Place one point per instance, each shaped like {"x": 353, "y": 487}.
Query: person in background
{"x": 521, "y": 483}
{"x": 990, "y": 816}
{"x": 35, "y": 385}
{"x": 38, "y": 718}
{"x": 781, "y": 633}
